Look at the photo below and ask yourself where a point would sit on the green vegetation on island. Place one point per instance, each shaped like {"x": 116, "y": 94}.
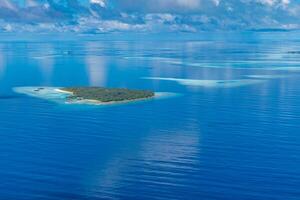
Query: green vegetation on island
{"x": 107, "y": 95}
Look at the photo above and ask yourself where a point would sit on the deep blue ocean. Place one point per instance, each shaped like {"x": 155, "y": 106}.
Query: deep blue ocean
{"x": 231, "y": 133}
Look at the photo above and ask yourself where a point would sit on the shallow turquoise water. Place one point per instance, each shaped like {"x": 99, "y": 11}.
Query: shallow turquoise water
{"x": 232, "y": 133}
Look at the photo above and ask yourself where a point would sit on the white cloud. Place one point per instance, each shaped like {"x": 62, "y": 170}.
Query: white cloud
{"x": 190, "y": 4}
{"x": 216, "y": 2}
{"x": 274, "y": 2}
{"x": 8, "y": 28}
{"x": 102, "y": 3}
{"x": 145, "y": 15}
{"x": 7, "y": 4}
{"x": 267, "y": 2}
{"x": 161, "y": 17}
{"x": 285, "y": 2}
{"x": 32, "y": 3}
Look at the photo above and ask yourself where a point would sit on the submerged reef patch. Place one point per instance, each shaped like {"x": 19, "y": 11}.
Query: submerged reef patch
{"x": 210, "y": 83}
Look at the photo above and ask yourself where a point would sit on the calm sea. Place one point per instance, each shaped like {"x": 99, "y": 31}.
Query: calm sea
{"x": 232, "y": 132}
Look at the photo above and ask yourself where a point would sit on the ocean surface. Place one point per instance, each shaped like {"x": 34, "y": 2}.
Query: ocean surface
{"x": 231, "y": 132}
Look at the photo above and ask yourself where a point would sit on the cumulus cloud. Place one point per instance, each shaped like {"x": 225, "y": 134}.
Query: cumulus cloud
{"x": 274, "y": 2}
{"x": 102, "y": 3}
{"x": 147, "y": 15}
{"x": 216, "y": 2}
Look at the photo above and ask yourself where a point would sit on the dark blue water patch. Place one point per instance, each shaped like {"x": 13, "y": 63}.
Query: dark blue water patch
{"x": 7, "y": 97}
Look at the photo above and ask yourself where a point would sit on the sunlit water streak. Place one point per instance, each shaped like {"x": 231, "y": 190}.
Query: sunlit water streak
{"x": 214, "y": 142}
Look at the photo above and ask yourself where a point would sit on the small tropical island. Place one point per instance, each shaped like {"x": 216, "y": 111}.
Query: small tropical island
{"x": 103, "y": 95}
{"x": 91, "y": 95}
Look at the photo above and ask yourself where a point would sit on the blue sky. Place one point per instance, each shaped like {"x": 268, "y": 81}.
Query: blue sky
{"x": 100, "y": 16}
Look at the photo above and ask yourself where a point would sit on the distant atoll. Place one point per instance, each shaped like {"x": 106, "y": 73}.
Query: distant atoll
{"x": 89, "y": 95}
